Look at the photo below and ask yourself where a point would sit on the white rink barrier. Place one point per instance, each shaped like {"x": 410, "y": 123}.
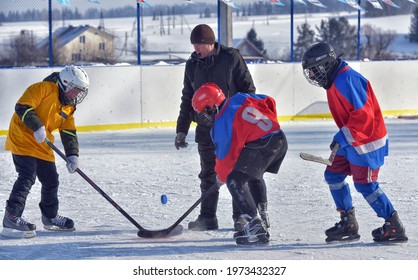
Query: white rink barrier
{"x": 123, "y": 97}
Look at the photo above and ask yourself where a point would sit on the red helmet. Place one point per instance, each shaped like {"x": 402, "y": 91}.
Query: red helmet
{"x": 207, "y": 96}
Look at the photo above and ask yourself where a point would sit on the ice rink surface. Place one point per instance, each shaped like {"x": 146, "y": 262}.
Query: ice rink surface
{"x": 136, "y": 167}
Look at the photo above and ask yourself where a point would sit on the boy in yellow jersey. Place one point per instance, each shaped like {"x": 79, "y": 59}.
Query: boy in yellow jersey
{"x": 43, "y": 108}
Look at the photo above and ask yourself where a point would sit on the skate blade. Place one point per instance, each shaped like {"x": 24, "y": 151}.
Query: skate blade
{"x": 252, "y": 240}
{"x": 344, "y": 239}
{"x": 56, "y": 228}
{"x": 14, "y": 233}
{"x": 392, "y": 240}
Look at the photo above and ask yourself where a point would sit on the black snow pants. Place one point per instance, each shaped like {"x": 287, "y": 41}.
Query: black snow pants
{"x": 28, "y": 168}
{"x": 257, "y": 157}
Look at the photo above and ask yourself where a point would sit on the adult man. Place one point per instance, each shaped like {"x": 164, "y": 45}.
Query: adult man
{"x": 210, "y": 62}
{"x": 249, "y": 142}
{"x": 43, "y": 108}
{"x": 362, "y": 140}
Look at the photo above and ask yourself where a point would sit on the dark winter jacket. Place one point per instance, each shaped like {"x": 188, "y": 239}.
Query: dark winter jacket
{"x": 227, "y": 69}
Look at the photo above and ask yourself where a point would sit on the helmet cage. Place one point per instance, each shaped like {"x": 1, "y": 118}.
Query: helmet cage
{"x": 316, "y": 70}
{"x": 74, "y": 94}
{"x": 206, "y": 116}
{"x": 211, "y": 110}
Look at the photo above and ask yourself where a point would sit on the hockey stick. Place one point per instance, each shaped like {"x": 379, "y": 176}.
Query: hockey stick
{"x": 152, "y": 233}
{"x": 310, "y": 157}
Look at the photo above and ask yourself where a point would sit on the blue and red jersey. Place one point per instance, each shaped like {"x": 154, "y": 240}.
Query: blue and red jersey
{"x": 242, "y": 119}
{"x": 362, "y": 136}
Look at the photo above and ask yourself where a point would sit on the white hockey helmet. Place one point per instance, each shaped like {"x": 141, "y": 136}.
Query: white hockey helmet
{"x": 74, "y": 82}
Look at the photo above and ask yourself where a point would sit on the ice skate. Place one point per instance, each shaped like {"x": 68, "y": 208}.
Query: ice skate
{"x": 240, "y": 221}
{"x": 253, "y": 233}
{"x": 16, "y": 227}
{"x": 345, "y": 230}
{"x": 264, "y": 214}
{"x": 202, "y": 223}
{"x": 391, "y": 231}
{"x": 59, "y": 223}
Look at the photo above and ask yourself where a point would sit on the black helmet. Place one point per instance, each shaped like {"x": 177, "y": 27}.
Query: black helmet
{"x": 318, "y": 61}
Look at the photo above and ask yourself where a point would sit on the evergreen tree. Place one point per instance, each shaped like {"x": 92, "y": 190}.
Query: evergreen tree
{"x": 305, "y": 39}
{"x": 339, "y": 34}
{"x": 413, "y": 29}
{"x": 252, "y": 37}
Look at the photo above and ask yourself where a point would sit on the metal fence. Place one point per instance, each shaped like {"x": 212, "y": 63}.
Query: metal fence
{"x": 60, "y": 32}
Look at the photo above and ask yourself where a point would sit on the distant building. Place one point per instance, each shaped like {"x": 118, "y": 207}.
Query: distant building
{"x": 80, "y": 44}
{"x": 248, "y": 50}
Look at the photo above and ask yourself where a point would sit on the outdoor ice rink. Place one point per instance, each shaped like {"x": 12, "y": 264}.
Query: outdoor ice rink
{"x": 135, "y": 167}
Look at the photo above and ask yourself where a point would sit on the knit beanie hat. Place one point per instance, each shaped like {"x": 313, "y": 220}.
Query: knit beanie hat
{"x": 202, "y": 34}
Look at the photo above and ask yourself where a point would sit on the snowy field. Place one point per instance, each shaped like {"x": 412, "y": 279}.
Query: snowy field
{"x": 274, "y": 32}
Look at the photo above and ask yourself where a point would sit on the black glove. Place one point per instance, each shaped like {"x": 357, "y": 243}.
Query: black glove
{"x": 180, "y": 141}
{"x": 332, "y": 145}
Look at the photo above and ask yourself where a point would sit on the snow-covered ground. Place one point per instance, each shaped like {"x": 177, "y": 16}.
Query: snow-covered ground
{"x": 274, "y": 32}
{"x": 136, "y": 167}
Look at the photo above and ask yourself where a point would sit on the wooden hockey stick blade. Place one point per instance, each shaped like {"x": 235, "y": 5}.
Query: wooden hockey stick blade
{"x": 310, "y": 157}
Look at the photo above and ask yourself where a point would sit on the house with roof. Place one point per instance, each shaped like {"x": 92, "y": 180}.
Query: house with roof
{"x": 80, "y": 44}
{"x": 248, "y": 50}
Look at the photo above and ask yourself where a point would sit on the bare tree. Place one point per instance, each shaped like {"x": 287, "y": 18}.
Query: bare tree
{"x": 5, "y": 54}
{"x": 22, "y": 49}
{"x": 377, "y": 42}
